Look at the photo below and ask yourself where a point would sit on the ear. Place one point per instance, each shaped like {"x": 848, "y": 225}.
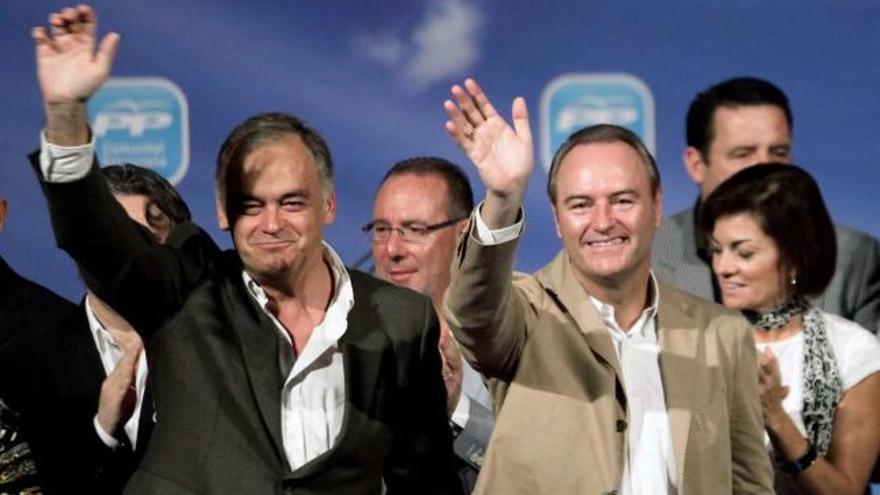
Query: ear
{"x": 2, "y": 213}
{"x": 694, "y": 164}
{"x": 222, "y": 219}
{"x": 658, "y": 208}
{"x": 330, "y": 205}
{"x": 556, "y": 221}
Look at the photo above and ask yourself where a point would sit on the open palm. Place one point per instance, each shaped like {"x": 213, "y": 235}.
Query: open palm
{"x": 503, "y": 155}
{"x": 68, "y": 67}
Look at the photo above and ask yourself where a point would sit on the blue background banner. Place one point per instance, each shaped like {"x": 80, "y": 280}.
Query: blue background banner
{"x": 372, "y": 76}
{"x": 143, "y": 121}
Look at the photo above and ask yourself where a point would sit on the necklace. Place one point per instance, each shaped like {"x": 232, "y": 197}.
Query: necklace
{"x": 776, "y": 318}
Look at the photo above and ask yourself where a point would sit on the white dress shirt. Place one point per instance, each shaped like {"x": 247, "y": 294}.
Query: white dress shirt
{"x": 313, "y": 396}
{"x": 650, "y": 464}
{"x": 472, "y": 388}
{"x": 111, "y": 353}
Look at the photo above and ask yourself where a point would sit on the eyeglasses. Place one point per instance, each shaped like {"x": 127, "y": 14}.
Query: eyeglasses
{"x": 380, "y": 232}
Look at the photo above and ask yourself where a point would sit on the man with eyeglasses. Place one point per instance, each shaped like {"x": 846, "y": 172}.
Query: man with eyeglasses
{"x": 420, "y": 209}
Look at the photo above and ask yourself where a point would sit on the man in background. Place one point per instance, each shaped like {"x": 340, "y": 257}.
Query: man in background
{"x": 419, "y": 211}
{"x": 82, "y": 385}
{"x": 736, "y": 124}
{"x": 26, "y": 310}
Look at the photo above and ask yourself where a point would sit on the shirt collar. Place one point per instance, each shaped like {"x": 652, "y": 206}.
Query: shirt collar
{"x": 103, "y": 338}
{"x": 343, "y": 294}
{"x": 606, "y": 311}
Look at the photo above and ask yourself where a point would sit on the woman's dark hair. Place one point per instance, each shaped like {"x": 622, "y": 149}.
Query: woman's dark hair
{"x": 787, "y": 204}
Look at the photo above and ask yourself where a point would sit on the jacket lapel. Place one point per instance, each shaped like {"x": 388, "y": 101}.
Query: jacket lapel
{"x": 362, "y": 354}
{"x": 83, "y": 363}
{"x": 559, "y": 281}
{"x": 679, "y": 347}
{"x": 259, "y": 343}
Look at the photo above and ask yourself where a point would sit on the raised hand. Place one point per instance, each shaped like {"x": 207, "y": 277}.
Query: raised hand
{"x": 68, "y": 67}
{"x": 502, "y": 154}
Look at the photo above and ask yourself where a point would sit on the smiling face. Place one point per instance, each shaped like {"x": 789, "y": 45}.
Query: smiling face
{"x": 411, "y": 199}
{"x": 606, "y": 214}
{"x": 746, "y": 262}
{"x": 279, "y": 210}
{"x": 743, "y": 136}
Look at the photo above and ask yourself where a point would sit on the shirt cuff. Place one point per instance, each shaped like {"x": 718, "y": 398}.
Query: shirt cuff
{"x": 462, "y": 411}
{"x": 107, "y": 439}
{"x": 65, "y": 163}
{"x": 488, "y": 237}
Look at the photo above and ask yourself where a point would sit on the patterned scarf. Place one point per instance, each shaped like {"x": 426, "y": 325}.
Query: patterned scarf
{"x": 776, "y": 318}
{"x": 822, "y": 384}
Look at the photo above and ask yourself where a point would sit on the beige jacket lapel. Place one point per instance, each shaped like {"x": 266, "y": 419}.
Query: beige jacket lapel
{"x": 559, "y": 281}
{"x": 679, "y": 346}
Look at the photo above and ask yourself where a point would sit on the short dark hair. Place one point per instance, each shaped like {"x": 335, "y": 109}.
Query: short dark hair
{"x": 461, "y": 196}
{"x": 732, "y": 93}
{"x": 263, "y": 128}
{"x": 603, "y": 133}
{"x": 128, "y": 180}
{"x": 788, "y": 206}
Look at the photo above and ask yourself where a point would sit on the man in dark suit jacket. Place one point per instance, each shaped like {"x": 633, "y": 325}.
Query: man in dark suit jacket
{"x": 26, "y": 310}
{"x": 736, "y": 124}
{"x": 426, "y": 201}
{"x": 79, "y": 382}
{"x": 273, "y": 368}
{"x": 59, "y": 377}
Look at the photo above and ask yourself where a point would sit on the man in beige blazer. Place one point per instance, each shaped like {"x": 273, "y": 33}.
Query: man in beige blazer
{"x": 610, "y": 382}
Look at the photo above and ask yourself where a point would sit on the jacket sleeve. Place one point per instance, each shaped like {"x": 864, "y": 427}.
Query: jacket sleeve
{"x": 867, "y": 309}
{"x": 119, "y": 260}
{"x": 421, "y": 458}
{"x": 486, "y": 313}
{"x": 752, "y": 470}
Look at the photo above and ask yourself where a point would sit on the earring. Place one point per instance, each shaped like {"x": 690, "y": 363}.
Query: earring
{"x": 793, "y": 280}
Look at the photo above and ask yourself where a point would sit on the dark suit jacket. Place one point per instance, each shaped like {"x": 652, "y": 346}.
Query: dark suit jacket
{"x": 26, "y": 308}
{"x": 854, "y": 291}
{"x": 213, "y": 357}
{"x": 58, "y": 384}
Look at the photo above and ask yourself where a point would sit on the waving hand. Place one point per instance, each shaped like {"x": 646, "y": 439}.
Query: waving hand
{"x": 70, "y": 70}
{"x": 503, "y": 155}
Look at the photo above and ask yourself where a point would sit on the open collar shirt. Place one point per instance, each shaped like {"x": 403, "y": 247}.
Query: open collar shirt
{"x": 313, "y": 396}
{"x": 650, "y": 463}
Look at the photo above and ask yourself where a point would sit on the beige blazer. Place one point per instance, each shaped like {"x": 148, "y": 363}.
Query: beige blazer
{"x": 561, "y": 408}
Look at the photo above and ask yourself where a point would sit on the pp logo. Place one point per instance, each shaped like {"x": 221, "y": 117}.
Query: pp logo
{"x": 144, "y": 121}
{"x": 573, "y": 101}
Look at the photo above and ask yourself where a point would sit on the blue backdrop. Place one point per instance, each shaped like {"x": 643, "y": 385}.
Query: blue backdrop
{"x": 371, "y": 76}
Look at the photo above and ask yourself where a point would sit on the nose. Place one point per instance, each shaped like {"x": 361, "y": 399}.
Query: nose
{"x": 270, "y": 220}
{"x": 764, "y": 156}
{"x": 604, "y": 218}
{"x": 395, "y": 248}
{"x": 722, "y": 265}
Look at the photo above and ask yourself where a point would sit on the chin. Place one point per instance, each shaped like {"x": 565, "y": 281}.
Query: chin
{"x": 735, "y": 304}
